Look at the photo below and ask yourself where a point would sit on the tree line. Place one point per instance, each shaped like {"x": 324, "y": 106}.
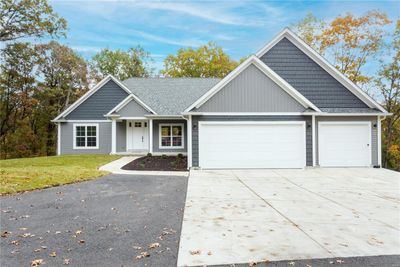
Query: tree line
{"x": 39, "y": 80}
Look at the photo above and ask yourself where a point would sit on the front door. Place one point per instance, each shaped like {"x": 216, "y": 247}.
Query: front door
{"x": 137, "y": 135}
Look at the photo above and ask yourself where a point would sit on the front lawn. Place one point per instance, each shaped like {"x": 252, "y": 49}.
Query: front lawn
{"x": 18, "y": 175}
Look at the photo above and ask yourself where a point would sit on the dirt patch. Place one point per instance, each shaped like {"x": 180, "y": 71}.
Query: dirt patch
{"x": 158, "y": 163}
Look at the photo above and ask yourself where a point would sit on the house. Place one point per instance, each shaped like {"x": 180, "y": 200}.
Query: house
{"x": 284, "y": 107}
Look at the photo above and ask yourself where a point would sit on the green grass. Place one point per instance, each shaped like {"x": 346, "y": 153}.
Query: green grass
{"x": 18, "y": 175}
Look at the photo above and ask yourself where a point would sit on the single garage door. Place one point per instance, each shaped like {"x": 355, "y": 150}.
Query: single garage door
{"x": 252, "y": 145}
{"x": 344, "y": 144}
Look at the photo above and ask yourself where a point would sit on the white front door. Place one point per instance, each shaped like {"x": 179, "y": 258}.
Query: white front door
{"x": 137, "y": 135}
{"x": 344, "y": 144}
{"x": 252, "y": 145}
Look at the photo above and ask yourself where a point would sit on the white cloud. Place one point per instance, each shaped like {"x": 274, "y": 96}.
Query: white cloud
{"x": 85, "y": 48}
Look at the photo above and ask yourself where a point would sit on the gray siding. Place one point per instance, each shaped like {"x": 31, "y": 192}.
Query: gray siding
{"x": 99, "y": 104}
{"x": 156, "y": 134}
{"x": 309, "y": 78}
{"x": 374, "y": 133}
{"x": 121, "y": 136}
{"x": 195, "y": 133}
{"x": 251, "y": 91}
{"x": 133, "y": 109}
{"x": 67, "y": 144}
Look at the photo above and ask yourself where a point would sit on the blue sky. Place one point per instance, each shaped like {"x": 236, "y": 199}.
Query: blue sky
{"x": 241, "y": 27}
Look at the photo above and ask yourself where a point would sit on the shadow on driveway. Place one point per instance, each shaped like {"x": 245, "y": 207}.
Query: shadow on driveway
{"x": 105, "y": 222}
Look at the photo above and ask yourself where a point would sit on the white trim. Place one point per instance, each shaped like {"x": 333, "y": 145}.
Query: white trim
{"x": 379, "y": 129}
{"x": 126, "y": 101}
{"x": 97, "y": 135}
{"x": 321, "y": 61}
{"x": 113, "y": 136}
{"x": 245, "y": 113}
{"x": 303, "y": 123}
{"x": 346, "y": 123}
{"x": 132, "y": 118}
{"x": 267, "y": 71}
{"x": 83, "y": 121}
{"x": 171, "y": 124}
{"x": 151, "y": 135}
{"x": 189, "y": 143}
{"x": 58, "y": 139}
{"x": 314, "y": 148}
{"x": 164, "y": 117}
{"x": 348, "y": 114}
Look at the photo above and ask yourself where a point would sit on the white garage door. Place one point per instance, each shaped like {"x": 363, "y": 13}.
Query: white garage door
{"x": 344, "y": 144}
{"x": 252, "y": 145}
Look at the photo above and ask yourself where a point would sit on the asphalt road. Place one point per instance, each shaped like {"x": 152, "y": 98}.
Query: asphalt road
{"x": 105, "y": 222}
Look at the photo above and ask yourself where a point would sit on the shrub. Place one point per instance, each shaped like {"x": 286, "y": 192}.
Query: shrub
{"x": 180, "y": 155}
{"x": 164, "y": 156}
{"x": 149, "y": 154}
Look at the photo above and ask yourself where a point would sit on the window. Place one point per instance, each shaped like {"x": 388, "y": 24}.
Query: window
{"x": 138, "y": 124}
{"x": 86, "y": 136}
{"x": 171, "y": 136}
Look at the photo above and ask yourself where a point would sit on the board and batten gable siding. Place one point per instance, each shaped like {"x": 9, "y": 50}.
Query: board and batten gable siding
{"x": 133, "y": 109}
{"x": 121, "y": 136}
{"x": 100, "y": 103}
{"x": 195, "y": 131}
{"x": 374, "y": 132}
{"x": 307, "y": 77}
{"x": 251, "y": 91}
{"x": 67, "y": 139}
{"x": 156, "y": 135}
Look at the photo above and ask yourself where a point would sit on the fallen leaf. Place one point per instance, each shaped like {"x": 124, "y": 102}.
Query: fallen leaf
{"x": 142, "y": 255}
{"x": 66, "y": 261}
{"x": 154, "y": 245}
{"x": 5, "y": 234}
{"x": 27, "y": 235}
{"x": 57, "y": 232}
{"x": 25, "y": 216}
{"x": 43, "y": 247}
{"x": 15, "y": 242}
{"x": 23, "y": 229}
{"x": 292, "y": 263}
{"x": 53, "y": 254}
{"x": 252, "y": 263}
{"x": 340, "y": 261}
{"x": 37, "y": 250}
{"x": 37, "y": 262}
{"x": 209, "y": 253}
{"x": 195, "y": 252}
{"x": 137, "y": 247}
{"x": 81, "y": 241}
{"x": 78, "y": 232}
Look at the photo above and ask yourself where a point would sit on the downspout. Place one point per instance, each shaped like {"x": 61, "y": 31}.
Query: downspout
{"x": 379, "y": 129}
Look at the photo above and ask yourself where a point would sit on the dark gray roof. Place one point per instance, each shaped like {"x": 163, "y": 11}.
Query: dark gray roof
{"x": 350, "y": 110}
{"x": 169, "y": 96}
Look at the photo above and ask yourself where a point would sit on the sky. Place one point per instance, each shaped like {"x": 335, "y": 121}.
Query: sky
{"x": 241, "y": 27}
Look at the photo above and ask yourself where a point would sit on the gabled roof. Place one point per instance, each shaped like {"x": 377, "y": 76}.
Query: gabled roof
{"x": 93, "y": 90}
{"x": 126, "y": 101}
{"x": 169, "y": 96}
{"x": 267, "y": 71}
{"x": 321, "y": 61}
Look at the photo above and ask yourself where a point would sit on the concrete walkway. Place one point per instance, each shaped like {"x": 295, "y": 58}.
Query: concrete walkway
{"x": 248, "y": 216}
{"x": 116, "y": 165}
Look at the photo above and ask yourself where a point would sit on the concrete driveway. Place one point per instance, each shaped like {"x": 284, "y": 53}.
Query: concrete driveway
{"x": 244, "y": 216}
{"x": 105, "y": 222}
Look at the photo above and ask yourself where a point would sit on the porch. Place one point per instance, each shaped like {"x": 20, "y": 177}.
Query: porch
{"x": 142, "y": 135}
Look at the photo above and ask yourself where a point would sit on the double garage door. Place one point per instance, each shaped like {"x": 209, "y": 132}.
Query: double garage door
{"x": 281, "y": 144}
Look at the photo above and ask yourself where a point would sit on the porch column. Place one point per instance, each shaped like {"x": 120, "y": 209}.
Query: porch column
{"x": 151, "y": 135}
{"x": 59, "y": 138}
{"x": 113, "y": 136}
{"x": 379, "y": 129}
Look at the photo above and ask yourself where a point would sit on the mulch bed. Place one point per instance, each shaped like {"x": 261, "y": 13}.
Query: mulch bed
{"x": 158, "y": 163}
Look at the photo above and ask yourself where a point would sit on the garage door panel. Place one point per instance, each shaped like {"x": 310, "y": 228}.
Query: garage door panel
{"x": 344, "y": 144}
{"x": 252, "y": 145}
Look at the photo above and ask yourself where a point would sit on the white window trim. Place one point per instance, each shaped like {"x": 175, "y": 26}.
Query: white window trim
{"x": 171, "y": 147}
{"x": 97, "y": 135}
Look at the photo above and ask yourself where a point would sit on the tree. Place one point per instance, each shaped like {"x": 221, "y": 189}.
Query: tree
{"x": 122, "y": 64}
{"x": 29, "y": 18}
{"x": 309, "y": 29}
{"x": 64, "y": 80}
{"x": 388, "y": 82}
{"x": 206, "y": 61}
{"x": 351, "y": 41}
